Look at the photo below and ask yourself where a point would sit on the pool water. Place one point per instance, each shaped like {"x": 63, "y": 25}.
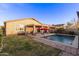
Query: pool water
{"x": 62, "y": 38}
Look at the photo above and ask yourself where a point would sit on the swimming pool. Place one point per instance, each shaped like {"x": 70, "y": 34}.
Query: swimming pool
{"x": 62, "y": 38}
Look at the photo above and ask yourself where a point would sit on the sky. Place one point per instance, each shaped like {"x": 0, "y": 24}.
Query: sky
{"x": 47, "y": 13}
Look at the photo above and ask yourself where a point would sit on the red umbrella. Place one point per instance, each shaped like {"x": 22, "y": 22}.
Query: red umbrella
{"x": 42, "y": 28}
{"x": 38, "y": 28}
{"x": 45, "y": 28}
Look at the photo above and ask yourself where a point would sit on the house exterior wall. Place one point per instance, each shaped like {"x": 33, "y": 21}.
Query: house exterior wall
{"x": 0, "y": 27}
{"x": 12, "y": 26}
{"x": 29, "y": 29}
{"x": 77, "y": 26}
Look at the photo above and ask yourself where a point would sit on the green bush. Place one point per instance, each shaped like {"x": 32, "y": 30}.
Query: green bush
{"x": 64, "y": 31}
{"x": 1, "y": 35}
{"x": 60, "y": 30}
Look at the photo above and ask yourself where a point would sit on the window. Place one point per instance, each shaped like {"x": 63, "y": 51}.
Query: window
{"x": 20, "y": 27}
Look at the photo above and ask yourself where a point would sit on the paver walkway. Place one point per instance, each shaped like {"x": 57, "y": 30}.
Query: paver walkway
{"x": 63, "y": 53}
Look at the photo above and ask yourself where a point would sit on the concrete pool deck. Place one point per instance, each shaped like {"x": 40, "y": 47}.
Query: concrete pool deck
{"x": 69, "y": 49}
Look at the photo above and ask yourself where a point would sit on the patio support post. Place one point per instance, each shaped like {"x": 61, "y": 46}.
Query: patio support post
{"x": 42, "y": 30}
{"x": 25, "y": 30}
{"x": 34, "y": 29}
{"x": 48, "y": 29}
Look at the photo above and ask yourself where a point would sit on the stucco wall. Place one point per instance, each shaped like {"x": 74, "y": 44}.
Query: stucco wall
{"x": 11, "y": 27}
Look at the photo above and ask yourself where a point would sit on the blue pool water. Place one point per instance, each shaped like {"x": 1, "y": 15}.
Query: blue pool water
{"x": 62, "y": 38}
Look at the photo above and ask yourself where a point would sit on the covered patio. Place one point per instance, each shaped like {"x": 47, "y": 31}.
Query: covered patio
{"x": 36, "y": 29}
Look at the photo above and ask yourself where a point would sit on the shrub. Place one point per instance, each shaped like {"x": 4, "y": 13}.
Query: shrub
{"x": 64, "y": 31}
{"x": 72, "y": 32}
{"x": 59, "y": 30}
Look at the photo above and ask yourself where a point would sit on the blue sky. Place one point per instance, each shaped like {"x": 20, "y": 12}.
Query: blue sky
{"x": 54, "y": 13}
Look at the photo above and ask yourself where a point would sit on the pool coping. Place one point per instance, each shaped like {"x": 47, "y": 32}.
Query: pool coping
{"x": 60, "y": 34}
{"x": 61, "y": 42}
{"x": 58, "y": 45}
